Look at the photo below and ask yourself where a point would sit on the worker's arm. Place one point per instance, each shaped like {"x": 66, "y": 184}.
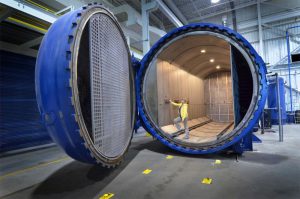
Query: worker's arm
{"x": 175, "y": 104}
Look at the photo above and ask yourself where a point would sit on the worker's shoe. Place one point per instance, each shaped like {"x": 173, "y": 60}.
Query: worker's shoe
{"x": 178, "y": 127}
{"x": 186, "y": 137}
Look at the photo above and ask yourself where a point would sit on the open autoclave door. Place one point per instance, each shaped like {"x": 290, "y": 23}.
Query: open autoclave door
{"x": 89, "y": 95}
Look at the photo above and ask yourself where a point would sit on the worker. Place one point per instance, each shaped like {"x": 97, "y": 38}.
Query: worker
{"x": 183, "y": 116}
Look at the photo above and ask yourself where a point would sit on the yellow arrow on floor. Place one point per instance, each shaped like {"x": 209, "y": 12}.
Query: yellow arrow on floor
{"x": 147, "y": 171}
{"x": 107, "y": 196}
{"x": 207, "y": 181}
{"x": 148, "y": 134}
{"x": 218, "y": 162}
{"x": 168, "y": 157}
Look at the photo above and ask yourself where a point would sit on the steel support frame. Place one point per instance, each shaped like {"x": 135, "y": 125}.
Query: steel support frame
{"x": 222, "y": 12}
{"x": 70, "y": 8}
{"x": 178, "y": 14}
{"x": 269, "y": 19}
{"x": 38, "y": 13}
{"x": 17, "y": 49}
{"x": 289, "y": 63}
{"x": 32, "y": 43}
{"x": 279, "y": 108}
{"x": 278, "y": 104}
{"x": 260, "y": 31}
{"x": 133, "y": 17}
{"x": 146, "y": 9}
{"x": 280, "y": 32}
{"x": 166, "y": 10}
{"x": 29, "y": 9}
{"x": 6, "y": 13}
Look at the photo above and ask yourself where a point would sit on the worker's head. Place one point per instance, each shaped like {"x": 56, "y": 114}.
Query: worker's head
{"x": 184, "y": 101}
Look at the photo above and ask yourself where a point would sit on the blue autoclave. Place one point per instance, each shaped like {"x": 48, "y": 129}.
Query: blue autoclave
{"x": 91, "y": 93}
{"x": 272, "y": 99}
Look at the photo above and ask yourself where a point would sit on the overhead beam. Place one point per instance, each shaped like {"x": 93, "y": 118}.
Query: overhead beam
{"x": 280, "y": 32}
{"x": 269, "y": 19}
{"x": 17, "y": 49}
{"x": 146, "y": 9}
{"x": 176, "y": 11}
{"x": 65, "y": 10}
{"x": 224, "y": 11}
{"x": 157, "y": 31}
{"x": 166, "y": 10}
{"x": 278, "y": 6}
{"x": 6, "y": 13}
{"x": 26, "y": 25}
{"x": 32, "y": 43}
{"x": 133, "y": 18}
{"x": 260, "y": 31}
{"x": 75, "y": 3}
{"x": 41, "y": 14}
{"x": 132, "y": 15}
{"x": 29, "y": 9}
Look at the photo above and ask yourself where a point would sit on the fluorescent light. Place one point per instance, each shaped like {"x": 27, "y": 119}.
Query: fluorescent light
{"x": 203, "y": 51}
{"x": 211, "y": 60}
{"x": 218, "y": 67}
{"x": 215, "y": 1}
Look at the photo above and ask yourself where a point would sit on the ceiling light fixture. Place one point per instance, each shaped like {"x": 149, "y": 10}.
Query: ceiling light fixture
{"x": 215, "y": 1}
{"x": 218, "y": 67}
{"x": 211, "y": 60}
{"x": 203, "y": 51}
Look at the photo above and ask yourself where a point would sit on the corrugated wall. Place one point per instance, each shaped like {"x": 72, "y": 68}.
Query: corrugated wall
{"x": 218, "y": 97}
{"x": 175, "y": 83}
{"x": 275, "y": 47}
{"x": 20, "y": 124}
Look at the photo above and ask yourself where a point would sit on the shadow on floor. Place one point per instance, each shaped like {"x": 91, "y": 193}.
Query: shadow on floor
{"x": 77, "y": 177}
{"x": 88, "y": 180}
{"x": 254, "y": 157}
{"x": 157, "y": 147}
{"x": 84, "y": 179}
{"x": 263, "y": 158}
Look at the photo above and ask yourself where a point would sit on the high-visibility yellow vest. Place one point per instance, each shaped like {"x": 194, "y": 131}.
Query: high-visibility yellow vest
{"x": 183, "y": 109}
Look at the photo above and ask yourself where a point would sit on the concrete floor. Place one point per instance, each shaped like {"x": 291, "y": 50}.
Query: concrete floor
{"x": 271, "y": 171}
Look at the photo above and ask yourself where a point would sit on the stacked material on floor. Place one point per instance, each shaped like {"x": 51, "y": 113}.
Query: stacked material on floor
{"x": 202, "y": 129}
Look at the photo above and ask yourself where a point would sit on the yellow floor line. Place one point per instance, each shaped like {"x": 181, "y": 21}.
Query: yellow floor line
{"x": 33, "y": 167}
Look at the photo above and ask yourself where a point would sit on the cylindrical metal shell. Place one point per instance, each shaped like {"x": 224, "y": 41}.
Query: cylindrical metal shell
{"x": 258, "y": 73}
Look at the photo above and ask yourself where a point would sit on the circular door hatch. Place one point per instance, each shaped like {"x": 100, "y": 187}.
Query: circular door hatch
{"x": 213, "y": 73}
{"x": 85, "y": 86}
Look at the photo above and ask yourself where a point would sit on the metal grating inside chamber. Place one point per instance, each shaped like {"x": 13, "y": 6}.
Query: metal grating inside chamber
{"x": 111, "y": 101}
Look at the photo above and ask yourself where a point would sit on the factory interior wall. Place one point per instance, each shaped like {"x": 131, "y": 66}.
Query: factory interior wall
{"x": 175, "y": 83}
{"x": 211, "y": 96}
{"x": 20, "y": 122}
{"x": 218, "y": 97}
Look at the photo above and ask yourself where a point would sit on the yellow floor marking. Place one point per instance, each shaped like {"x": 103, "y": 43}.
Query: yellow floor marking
{"x": 169, "y": 157}
{"x": 218, "y": 162}
{"x": 33, "y": 167}
{"x": 207, "y": 181}
{"x": 148, "y": 134}
{"x": 147, "y": 171}
{"x": 107, "y": 196}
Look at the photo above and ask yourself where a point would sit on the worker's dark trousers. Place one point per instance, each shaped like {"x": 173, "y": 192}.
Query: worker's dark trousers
{"x": 186, "y": 128}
